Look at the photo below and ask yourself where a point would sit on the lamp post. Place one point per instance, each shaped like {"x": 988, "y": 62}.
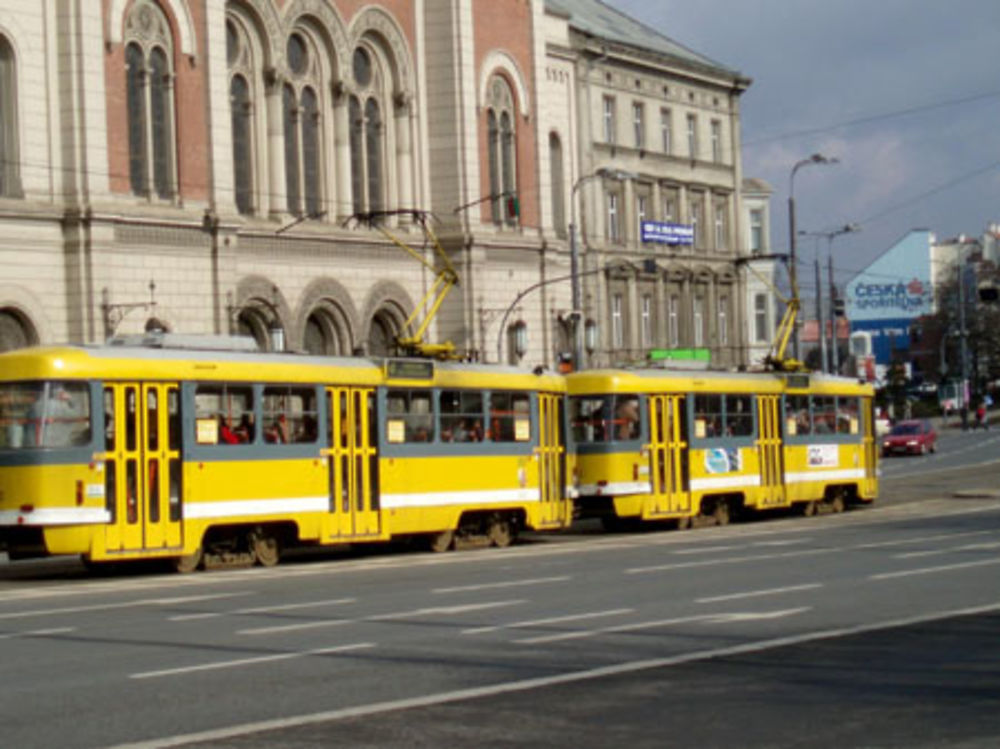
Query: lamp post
{"x": 574, "y": 260}
{"x": 816, "y": 158}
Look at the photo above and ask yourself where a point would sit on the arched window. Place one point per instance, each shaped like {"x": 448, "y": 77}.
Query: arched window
{"x": 301, "y": 104}
{"x": 10, "y": 183}
{"x": 15, "y": 331}
{"x": 502, "y": 144}
{"x": 368, "y": 127}
{"x": 240, "y": 62}
{"x": 150, "y": 101}
{"x": 327, "y": 332}
{"x": 382, "y": 336}
{"x": 558, "y": 188}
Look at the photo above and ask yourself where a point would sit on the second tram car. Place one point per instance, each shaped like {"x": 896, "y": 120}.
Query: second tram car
{"x": 672, "y": 445}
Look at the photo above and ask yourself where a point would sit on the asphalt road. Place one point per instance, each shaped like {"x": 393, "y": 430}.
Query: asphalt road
{"x": 875, "y": 628}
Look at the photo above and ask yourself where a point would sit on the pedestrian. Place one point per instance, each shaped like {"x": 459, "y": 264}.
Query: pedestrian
{"x": 981, "y": 415}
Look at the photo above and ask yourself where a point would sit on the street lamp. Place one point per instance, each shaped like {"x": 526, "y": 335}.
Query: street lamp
{"x": 574, "y": 259}
{"x": 816, "y": 158}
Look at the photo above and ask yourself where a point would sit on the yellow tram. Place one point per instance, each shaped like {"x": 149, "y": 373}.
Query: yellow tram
{"x": 131, "y": 451}
{"x": 674, "y": 445}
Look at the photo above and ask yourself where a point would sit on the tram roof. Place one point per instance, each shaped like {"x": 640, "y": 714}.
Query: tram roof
{"x": 127, "y": 362}
{"x": 679, "y": 380}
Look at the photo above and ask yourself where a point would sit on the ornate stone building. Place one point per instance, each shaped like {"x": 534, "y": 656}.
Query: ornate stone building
{"x": 222, "y": 166}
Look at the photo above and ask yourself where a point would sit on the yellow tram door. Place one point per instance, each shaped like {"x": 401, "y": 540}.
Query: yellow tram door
{"x": 769, "y": 451}
{"x": 551, "y": 455}
{"x": 353, "y": 462}
{"x": 142, "y": 466}
{"x": 669, "y": 487}
{"x": 870, "y": 449}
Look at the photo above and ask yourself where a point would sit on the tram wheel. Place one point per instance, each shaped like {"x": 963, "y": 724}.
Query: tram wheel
{"x": 684, "y": 523}
{"x": 809, "y": 509}
{"x": 189, "y": 563}
{"x": 441, "y": 542}
{"x": 721, "y": 512}
{"x": 500, "y": 532}
{"x": 837, "y": 503}
{"x": 266, "y": 550}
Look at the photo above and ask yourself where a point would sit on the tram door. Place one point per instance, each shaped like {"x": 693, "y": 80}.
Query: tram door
{"x": 769, "y": 451}
{"x": 142, "y": 465}
{"x": 353, "y": 462}
{"x": 667, "y": 452}
{"x": 870, "y": 447}
{"x": 551, "y": 455}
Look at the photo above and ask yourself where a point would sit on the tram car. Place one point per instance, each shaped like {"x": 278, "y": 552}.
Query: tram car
{"x": 159, "y": 448}
{"x": 697, "y": 447}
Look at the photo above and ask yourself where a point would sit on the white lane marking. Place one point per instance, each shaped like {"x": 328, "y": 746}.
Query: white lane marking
{"x": 121, "y": 605}
{"x": 786, "y": 542}
{"x": 584, "y": 633}
{"x": 933, "y": 570}
{"x": 757, "y": 593}
{"x": 541, "y": 682}
{"x": 922, "y": 539}
{"x": 753, "y": 616}
{"x": 261, "y": 609}
{"x": 38, "y": 633}
{"x": 251, "y": 661}
{"x": 550, "y": 620}
{"x": 705, "y": 550}
{"x": 447, "y": 610}
{"x": 939, "y": 552}
{"x": 730, "y": 560}
{"x": 505, "y": 584}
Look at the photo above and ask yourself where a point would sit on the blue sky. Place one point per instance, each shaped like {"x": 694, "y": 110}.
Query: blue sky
{"x": 905, "y": 93}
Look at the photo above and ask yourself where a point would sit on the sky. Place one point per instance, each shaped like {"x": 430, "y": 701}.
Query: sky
{"x": 905, "y": 93}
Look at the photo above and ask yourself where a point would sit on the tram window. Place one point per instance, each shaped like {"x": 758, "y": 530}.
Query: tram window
{"x": 224, "y": 414}
{"x": 131, "y": 421}
{"x": 824, "y": 414}
{"x": 708, "y": 416}
{"x": 173, "y": 419}
{"x": 510, "y": 417}
{"x": 461, "y": 415}
{"x": 847, "y": 415}
{"x": 152, "y": 420}
{"x": 289, "y": 415}
{"x": 589, "y": 418}
{"x": 409, "y": 416}
{"x": 109, "y": 419}
{"x": 739, "y": 416}
{"x": 175, "y": 489}
{"x": 44, "y": 414}
{"x": 626, "y": 422}
{"x": 797, "y": 415}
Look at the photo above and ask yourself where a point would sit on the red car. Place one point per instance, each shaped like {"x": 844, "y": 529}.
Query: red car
{"x": 915, "y": 436}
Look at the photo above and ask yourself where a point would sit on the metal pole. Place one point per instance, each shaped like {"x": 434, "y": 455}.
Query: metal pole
{"x": 963, "y": 352}
{"x": 834, "y": 353}
{"x": 820, "y": 320}
{"x": 576, "y": 314}
{"x": 792, "y": 268}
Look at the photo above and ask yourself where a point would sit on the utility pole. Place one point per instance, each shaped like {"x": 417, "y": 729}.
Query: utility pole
{"x": 963, "y": 352}
{"x": 834, "y": 319}
{"x": 820, "y": 320}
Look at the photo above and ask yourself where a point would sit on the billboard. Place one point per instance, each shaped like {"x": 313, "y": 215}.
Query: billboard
{"x": 890, "y": 294}
{"x": 666, "y": 233}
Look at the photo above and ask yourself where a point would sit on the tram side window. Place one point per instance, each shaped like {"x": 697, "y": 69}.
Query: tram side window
{"x": 44, "y": 414}
{"x": 461, "y": 415}
{"x": 409, "y": 416}
{"x": 588, "y": 416}
{"x": 824, "y": 410}
{"x": 848, "y": 410}
{"x": 224, "y": 414}
{"x": 510, "y": 417}
{"x": 797, "y": 415}
{"x": 739, "y": 416}
{"x": 626, "y": 422}
{"x": 708, "y": 422}
{"x": 288, "y": 415}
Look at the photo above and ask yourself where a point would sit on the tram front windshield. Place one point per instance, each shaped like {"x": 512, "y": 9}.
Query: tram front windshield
{"x": 37, "y": 415}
